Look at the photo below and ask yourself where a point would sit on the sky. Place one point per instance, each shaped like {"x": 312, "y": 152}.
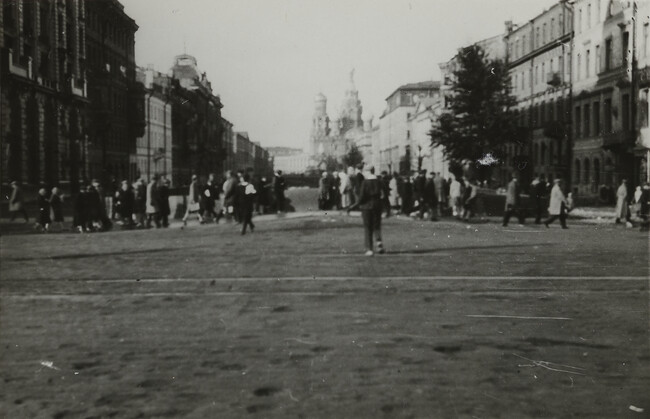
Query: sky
{"x": 267, "y": 59}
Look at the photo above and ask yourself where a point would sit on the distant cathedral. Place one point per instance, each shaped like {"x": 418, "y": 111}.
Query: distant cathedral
{"x": 333, "y": 137}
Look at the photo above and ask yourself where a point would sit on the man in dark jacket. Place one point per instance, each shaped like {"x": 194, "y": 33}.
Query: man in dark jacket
{"x": 538, "y": 189}
{"x": 431, "y": 197}
{"x": 245, "y": 201}
{"x": 370, "y": 197}
{"x": 165, "y": 210}
{"x": 385, "y": 190}
{"x": 279, "y": 185}
{"x": 418, "y": 192}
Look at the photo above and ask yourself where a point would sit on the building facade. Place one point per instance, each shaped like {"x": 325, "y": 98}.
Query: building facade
{"x": 154, "y": 149}
{"x": 396, "y": 144}
{"x": 43, "y": 95}
{"x": 117, "y": 99}
{"x": 539, "y": 62}
{"x": 603, "y": 125}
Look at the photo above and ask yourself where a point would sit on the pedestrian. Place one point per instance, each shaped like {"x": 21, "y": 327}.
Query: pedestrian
{"x": 469, "y": 202}
{"x": 279, "y": 185}
{"x": 439, "y": 184}
{"x": 93, "y": 208}
{"x": 17, "y": 203}
{"x": 56, "y": 203}
{"x": 229, "y": 189}
{"x": 406, "y": 195}
{"x": 245, "y": 201}
{"x": 124, "y": 201}
{"x": 208, "y": 199}
{"x": 538, "y": 189}
{"x": 344, "y": 189}
{"x": 44, "y": 219}
{"x": 385, "y": 189}
{"x": 140, "y": 202}
{"x": 262, "y": 189}
{"x": 102, "y": 213}
{"x": 393, "y": 187}
{"x": 621, "y": 202}
{"x": 558, "y": 205}
{"x": 358, "y": 180}
{"x": 163, "y": 194}
{"x": 193, "y": 201}
{"x": 455, "y": 197}
{"x": 513, "y": 202}
{"x": 431, "y": 197}
{"x": 419, "y": 184}
{"x": 323, "y": 192}
{"x": 153, "y": 202}
{"x": 80, "y": 218}
{"x": 370, "y": 205}
{"x": 644, "y": 211}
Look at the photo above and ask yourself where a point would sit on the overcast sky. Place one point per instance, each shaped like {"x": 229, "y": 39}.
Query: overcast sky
{"x": 267, "y": 59}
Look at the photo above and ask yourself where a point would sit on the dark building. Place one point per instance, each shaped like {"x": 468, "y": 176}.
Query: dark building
{"x": 117, "y": 99}
{"x": 197, "y": 128}
{"x": 43, "y": 100}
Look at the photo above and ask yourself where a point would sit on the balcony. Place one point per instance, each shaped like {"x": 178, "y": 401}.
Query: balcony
{"x": 617, "y": 139}
{"x": 553, "y": 78}
{"x": 78, "y": 87}
{"x": 20, "y": 69}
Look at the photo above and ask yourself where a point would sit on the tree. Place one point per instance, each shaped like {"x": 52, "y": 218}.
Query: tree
{"x": 330, "y": 164}
{"x": 353, "y": 157}
{"x": 480, "y": 119}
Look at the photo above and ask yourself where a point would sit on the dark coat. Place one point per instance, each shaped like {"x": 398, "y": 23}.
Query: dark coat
{"x": 430, "y": 194}
{"x": 43, "y": 210}
{"x": 419, "y": 184}
{"x": 57, "y": 208}
{"x": 163, "y": 193}
{"x": 370, "y": 195}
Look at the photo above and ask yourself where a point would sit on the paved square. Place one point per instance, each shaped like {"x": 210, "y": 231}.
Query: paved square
{"x": 456, "y": 320}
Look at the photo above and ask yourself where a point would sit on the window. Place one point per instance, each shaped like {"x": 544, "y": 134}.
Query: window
{"x": 523, "y": 45}
{"x": 608, "y": 54}
{"x": 576, "y": 123}
{"x": 542, "y": 113}
{"x": 596, "y": 172}
{"x": 626, "y": 47}
{"x": 578, "y": 65}
{"x": 587, "y": 62}
{"x": 587, "y": 177}
{"x": 607, "y": 114}
{"x": 597, "y": 60}
{"x": 552, "y": 34}
{"x": 589, "y": 15}
{"x": 542, "y": 156}
{"x": 536, "y": 74}
{"x": 551, "y": 108}
{"x": 544, "y": 33}
{"x": 586, "y": 131}
{"x": 578, "y": 172}
{"x": 579, "y": 28}
{"x": 644, "y": 48}
{"x": 597, "y": 118}
{"x": 543, "y": 70}
{"x": 551, "y": 153}
{"x": 625, "y": 112}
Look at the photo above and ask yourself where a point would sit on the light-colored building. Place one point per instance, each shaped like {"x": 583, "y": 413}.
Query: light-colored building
{"x": 602, "y": 95}
{"x": 431, "y": 159}
{"x": 395, "y": 142}
{"x": 154, "y": 149}
{"x": 539, "y": 62}
{"x": 642, "y": 146}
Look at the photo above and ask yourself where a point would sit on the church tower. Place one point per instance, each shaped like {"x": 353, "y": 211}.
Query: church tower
{"x": 351, "y": 109}
{"x": 320, "y": 123}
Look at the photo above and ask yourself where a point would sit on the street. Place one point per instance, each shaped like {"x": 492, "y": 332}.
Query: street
{"x": 456, "y": 320}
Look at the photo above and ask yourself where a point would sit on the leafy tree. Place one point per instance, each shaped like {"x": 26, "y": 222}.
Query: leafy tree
{"x": 353, "y": 157}
{"x": 480, "y": 119}
{"x": 330, "y": 164}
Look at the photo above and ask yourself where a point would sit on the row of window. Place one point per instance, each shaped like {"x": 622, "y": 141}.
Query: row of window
{"x": 539, "y": 114}
{"x": 542, "y": 35}
{"x": 542, "y": 73}
{"x": 590, "y": 120}
{"x": 586, "y": 66}
{"x": 587, "y": 17}
{"x": 583, "y": 173}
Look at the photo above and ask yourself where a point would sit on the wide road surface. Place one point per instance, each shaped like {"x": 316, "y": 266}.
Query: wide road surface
{"x": 457, "y": 320}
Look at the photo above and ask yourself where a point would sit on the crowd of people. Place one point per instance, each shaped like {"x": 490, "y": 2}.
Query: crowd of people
{"x": 422, "y": 195}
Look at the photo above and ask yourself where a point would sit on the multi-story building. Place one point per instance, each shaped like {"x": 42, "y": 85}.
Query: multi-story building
{"x": 43, "y": 92}
{"x": 603, "y": 124}
{"x": 197, "y": 126}
{"x": 642, "y": 81}
{"x": 423, "y": 155}
{"x": 154, "y": 149}
{"x": 290, "y": 160}
{"x": 539, "y": 62}
{"x": 228, "y": 139}
{"x": 396, "y": 144}
{"x": 117, "y": 105}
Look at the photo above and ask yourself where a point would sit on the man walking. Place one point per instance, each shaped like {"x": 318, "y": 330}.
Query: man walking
{"x": 370, "y": 205}
{"x": 513, "y": 200}
{"x": 557, "y": 206}
{"x": 16, "y": 202}
{"x": 245, "y": 201}
{"x": 193, "y": 201}
{"x": 208, "y": 197}
{"x": 538, "y": 188}
{"x": 279, "y": 185}
{"x": 153, "y": 202}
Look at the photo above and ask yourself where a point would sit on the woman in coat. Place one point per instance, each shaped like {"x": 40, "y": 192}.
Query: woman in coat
{"x": 621, "y": 202}
{"x": 557, "y": 206}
